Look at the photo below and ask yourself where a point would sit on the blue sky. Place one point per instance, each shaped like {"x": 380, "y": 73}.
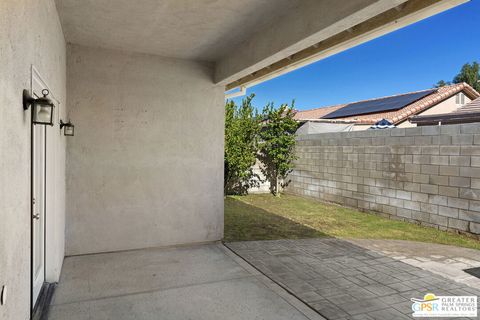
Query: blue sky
{"x": 413, "y": 58}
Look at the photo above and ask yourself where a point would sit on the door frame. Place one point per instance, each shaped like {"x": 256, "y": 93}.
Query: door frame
{"x": 37, "y": 81}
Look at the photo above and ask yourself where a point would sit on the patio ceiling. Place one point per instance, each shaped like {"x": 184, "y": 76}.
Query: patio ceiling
{"x": 248, "y": 40}
{"x": 188, "y": 29}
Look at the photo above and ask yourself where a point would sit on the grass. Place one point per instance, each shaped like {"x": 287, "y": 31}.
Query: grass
{"x": 265, "y": 217}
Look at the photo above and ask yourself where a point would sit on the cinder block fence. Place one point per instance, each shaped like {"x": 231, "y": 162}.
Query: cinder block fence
{"x": 427, "y": 175}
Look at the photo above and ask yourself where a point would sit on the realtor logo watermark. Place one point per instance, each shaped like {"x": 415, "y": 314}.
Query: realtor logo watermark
{"x": 444, "y": 306}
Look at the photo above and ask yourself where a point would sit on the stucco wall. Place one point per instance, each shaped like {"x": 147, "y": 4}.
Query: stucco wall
{"x": 146, "y": 166}
{"x": 427, "y": 175}
{"x": 445, "y": 106}
{"x": 30, "y": 34}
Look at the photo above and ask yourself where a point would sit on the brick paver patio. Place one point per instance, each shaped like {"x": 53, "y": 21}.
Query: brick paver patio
{"x": 343, "y": 281}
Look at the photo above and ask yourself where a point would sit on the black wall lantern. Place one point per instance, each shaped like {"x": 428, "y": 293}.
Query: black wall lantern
{"x": 68, "y": 128}
{"x": 42, "y": 108}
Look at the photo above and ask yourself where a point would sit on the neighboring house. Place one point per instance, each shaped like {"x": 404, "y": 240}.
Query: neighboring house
{"x": 468, "y": 113}
{"x": 397, "y": 109}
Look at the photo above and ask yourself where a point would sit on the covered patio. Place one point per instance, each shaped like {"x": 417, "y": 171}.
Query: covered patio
{"x": 103, "y": 212}
{"x": 193, "y": 282}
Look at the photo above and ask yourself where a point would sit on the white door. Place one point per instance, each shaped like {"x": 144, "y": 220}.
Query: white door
{"x": 38, "y": 214}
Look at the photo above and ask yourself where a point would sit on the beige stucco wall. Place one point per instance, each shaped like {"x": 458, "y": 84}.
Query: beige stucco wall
{"x": 446, "y": 106}
{"x": 406, "y": 124}
{"x": 146, "y": 166}
{"x": 30, "y": 34}
{"x": 360, "y": 127}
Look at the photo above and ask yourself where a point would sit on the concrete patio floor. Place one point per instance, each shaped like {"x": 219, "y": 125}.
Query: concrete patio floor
{"x": 195, "y": 282}
{"x": 342, "y": 280}
{"x": 447, "y": 261}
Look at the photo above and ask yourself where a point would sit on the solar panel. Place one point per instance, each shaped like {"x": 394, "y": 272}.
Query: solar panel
{"x": 378, "y": 105}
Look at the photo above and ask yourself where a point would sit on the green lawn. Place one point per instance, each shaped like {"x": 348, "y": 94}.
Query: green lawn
{"x": 265, "y": 217}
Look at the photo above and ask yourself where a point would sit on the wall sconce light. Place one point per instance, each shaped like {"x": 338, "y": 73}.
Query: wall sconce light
{"x": 42, "y": 108}
{"x": 68, "y": 128}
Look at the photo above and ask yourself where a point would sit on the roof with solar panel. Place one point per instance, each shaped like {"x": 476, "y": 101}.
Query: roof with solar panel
{"x": 395, "y": 109}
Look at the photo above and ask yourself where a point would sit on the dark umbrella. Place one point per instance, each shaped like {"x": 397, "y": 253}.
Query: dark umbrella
{"x": 383, "y": 124}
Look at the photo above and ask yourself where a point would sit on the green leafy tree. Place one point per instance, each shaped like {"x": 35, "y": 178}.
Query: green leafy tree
{"x": 469, "y": 74}
{"x": 442, "y": 83}
{"x": 277, "y": 142}
{"x": 241, "y": 147}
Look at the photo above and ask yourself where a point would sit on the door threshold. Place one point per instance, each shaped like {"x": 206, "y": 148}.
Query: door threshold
{"x": 40, "y": 311}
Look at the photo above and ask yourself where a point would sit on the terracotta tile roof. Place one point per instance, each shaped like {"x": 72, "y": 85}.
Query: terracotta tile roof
{"x": 395, "y": 116}
{"x": 473, "y": 106}
{"x": 316, "y": 113}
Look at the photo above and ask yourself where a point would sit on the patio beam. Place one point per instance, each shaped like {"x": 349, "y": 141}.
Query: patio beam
{"x": 387, "y": 21}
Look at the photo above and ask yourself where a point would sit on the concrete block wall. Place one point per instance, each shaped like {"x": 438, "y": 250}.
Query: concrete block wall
{"x": 428, "y": 175}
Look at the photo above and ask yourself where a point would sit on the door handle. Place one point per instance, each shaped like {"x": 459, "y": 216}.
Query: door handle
{"x": 36, "y": 216}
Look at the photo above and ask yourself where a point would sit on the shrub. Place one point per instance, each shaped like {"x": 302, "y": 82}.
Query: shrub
{"x": 277, "y": 144}
{"x": 241, "y": 147}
